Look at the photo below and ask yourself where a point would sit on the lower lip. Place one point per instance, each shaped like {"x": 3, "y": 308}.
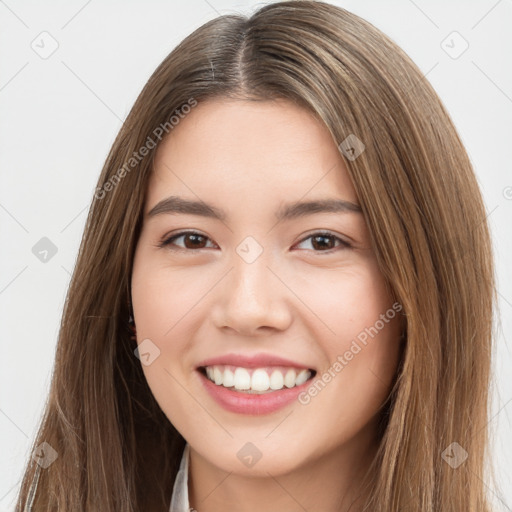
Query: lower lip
{"x": 245, "y": 403}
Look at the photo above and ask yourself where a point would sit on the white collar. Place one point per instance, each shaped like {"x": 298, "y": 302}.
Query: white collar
{"x": 179, "y": 500}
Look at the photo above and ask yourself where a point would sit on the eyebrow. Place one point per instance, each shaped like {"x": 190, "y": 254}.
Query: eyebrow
{"x": 179, "y": 205}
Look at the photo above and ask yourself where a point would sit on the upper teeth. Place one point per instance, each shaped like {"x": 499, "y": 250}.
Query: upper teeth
{"x": 257, "y": 379}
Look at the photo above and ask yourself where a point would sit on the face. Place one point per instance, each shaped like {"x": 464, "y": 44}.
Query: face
{"x": 256, "y": 291}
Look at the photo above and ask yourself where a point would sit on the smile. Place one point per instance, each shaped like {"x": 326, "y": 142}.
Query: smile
{"x": 256, "y": 380}
{"x": 253, "y": 383}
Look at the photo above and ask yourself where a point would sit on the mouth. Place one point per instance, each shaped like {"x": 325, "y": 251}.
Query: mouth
{"x": 256, "y": 381}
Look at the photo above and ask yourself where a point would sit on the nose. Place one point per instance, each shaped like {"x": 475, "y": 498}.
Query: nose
{"x": 252, "y": 299}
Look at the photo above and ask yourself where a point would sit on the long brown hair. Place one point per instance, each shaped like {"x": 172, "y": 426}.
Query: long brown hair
{"x": 116, "y": 450}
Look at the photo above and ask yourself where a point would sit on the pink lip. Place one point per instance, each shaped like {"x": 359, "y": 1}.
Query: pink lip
{"x": 244, "y": 403}
{"x": 252, "y": 361}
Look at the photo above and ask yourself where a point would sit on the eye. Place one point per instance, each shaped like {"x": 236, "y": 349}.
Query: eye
{"x": 324, "y": 241}
{"x": 321, "y": 241}
{"x": 192, "y": 240}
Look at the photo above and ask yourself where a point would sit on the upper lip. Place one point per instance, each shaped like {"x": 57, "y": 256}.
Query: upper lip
{"x": 251, "y": 361}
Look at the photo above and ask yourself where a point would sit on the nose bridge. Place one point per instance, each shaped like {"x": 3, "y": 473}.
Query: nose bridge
{"x": 253, "y": 296}
{"x": 251, "y": 277}
{"x": 251, "y": 273}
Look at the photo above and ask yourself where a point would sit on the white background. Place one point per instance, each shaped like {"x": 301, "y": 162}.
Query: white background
{"x": 60, "y": 115}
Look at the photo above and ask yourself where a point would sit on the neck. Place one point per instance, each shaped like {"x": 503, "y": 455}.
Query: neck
{"x": 332, "y": 481}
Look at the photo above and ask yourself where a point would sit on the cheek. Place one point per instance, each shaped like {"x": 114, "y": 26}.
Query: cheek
{"x": 164, "y": 298}
{"x": 158, "y": 304}
{"x": 358, "y": 330}
{"x": 163, "y": 307}
{"x": 346, "y": 301}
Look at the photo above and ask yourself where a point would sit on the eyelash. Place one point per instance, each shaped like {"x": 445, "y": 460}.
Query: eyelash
{"x": 166, "y": 243}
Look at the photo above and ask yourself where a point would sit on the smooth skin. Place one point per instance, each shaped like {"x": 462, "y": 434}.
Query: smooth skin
{"x": 301, "y": 299}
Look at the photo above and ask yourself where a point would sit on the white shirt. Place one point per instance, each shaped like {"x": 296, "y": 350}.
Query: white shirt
{"x": 179, "y": 499}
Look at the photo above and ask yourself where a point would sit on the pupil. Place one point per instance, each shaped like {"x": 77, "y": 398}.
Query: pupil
{"x": 195, "y": 240}
{"x": 322, "y": 244}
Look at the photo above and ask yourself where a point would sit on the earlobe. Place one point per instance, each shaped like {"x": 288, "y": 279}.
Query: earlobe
{"x": 131, "y": 320}
{"x": 131, "y": 326}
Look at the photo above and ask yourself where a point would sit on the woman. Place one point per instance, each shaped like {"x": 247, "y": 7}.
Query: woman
{"x": 284, "y": 292}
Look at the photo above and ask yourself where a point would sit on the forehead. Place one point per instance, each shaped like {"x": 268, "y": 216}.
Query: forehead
{"x": 233, "y": 150}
